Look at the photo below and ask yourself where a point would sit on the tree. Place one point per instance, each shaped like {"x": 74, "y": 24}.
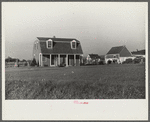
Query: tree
{"x": 23, "y": 60}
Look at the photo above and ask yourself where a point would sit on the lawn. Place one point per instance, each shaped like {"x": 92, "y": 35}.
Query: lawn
{"x": 125, "y": 81}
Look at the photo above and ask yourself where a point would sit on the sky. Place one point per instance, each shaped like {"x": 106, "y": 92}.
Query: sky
{"x": 97, "y": 25}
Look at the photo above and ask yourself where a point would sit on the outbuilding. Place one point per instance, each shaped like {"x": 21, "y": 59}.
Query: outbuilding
{"x": 118, "y": 54}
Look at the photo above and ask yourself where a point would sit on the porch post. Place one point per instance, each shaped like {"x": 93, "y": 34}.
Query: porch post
{"x": 59, "y": 59}
{"x": 66, "y": 60}
{"x": 79, "y": 60}
{"x": 74, "y": 59}
{"x": 41, "y": 60}
{"x": 50, "y": 59}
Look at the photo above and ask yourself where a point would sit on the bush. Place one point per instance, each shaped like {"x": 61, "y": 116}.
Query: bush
{"x": 33, "y": 63}
{"x": 25, "y": 64}
{"x": 129, "y": 60}
{"x": 82, "y": 64}
{"x": 101, "y": 63}
{"x": 62, "y": 65}
{"x": 38, "y": 64}
{"x": 114, "y": 61}
{"x": 137, "y": 60}
{"x": 109, "y": 62}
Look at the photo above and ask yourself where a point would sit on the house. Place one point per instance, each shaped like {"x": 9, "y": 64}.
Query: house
{"x": 93, "y": 59}
{"x": 57, "y": 51}
{"x": 118, "y": 54}
{"x": 102, "y": 59}
{"x": 139, "y": 53}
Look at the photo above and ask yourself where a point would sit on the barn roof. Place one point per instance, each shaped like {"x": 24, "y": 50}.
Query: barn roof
{"x": 60, "y": 46}
{"x": 115, "y": 50}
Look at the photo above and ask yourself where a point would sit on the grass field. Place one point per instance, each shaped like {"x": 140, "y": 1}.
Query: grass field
{"x": 125, "y": 81}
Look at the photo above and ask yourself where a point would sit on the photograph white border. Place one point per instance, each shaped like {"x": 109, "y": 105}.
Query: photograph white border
{"x": 101, "y": 109}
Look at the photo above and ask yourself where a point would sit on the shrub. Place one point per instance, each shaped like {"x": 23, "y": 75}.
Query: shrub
{"x": 109, "y": 62}
{"x": 137, "y": 60}
{"x": 33, "y": 63}
{"x": 82, "y": 64}
{"x": 114, "y": 61}
{"x": 62, "y": 65}
{"x": 123, "y": 62}
{"x": 129, "y": 60}
{"x": 38, "y": 64}
{"x": 101, "y": 63}
{"x": 25, "y": 64}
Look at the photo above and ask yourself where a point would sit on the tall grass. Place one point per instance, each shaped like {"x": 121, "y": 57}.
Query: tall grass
{"x": 72, "y": 90}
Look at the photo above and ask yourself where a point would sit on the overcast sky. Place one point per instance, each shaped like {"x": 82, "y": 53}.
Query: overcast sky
{"x": 97, "y": 25}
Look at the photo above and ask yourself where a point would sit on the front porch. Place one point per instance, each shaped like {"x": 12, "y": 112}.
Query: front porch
{"x": 59, "y": 60}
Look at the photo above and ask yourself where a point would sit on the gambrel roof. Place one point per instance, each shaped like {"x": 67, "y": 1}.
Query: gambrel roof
{"x": 60, "y": 46}
{"x": 57, "y": 39}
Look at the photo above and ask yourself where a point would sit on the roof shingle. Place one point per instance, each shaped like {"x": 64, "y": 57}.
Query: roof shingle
{"x": 115, "y": 50}
{"x": 56, "y": 39}
{"x": 60, "y": 46}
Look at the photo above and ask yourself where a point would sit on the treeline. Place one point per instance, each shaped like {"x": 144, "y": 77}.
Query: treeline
{"x": 9, "y": 59}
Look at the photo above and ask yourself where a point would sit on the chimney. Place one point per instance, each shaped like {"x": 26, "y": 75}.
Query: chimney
{"x": 54, "y": 37}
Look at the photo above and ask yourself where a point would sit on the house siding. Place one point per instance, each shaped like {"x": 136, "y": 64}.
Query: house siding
{"x": 36, "y": 51}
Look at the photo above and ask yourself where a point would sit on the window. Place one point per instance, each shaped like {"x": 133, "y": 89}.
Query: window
{"x": 73, "y": 44}
{"x": 49, "y": 44}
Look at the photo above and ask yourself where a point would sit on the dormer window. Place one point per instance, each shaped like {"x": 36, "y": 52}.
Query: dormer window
{"x": 49, "y": 44}
{"x": 73, "y": 44}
